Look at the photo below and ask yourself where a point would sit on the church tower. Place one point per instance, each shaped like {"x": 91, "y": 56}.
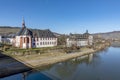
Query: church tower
{"x": 86, "y": 31}
{"x": 23, "y": 23}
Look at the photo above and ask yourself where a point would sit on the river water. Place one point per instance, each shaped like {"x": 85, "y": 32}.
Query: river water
{"x": 103, "y": 65}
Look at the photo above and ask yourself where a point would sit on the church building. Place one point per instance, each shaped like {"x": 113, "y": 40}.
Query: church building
{"x": 34, "y": 38}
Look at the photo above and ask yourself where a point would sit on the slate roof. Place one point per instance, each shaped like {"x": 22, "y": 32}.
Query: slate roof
{"x": 43, "y": 33}
{"x": 79, "y": 36}
{"x": 24, "y": 31}
{"x": 36, "y": 33}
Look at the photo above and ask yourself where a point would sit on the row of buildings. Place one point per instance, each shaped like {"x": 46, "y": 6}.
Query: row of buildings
{"x": 34, "y": 38}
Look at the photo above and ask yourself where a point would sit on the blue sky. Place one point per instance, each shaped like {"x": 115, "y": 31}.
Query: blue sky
{"x": 62, "y": 16}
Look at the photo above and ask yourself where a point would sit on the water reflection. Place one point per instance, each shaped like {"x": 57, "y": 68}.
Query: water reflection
{"x": 24, "y": 75}
{"x": 90, "y": 58}
{"x": 115, "y": 44}
{"x": 103, "y": 65}
{"x": 69, "y": 69}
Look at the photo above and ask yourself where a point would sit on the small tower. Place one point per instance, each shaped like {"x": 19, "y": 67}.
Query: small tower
{"x": 23, "y": 23}
{"x": 86, "y": 31}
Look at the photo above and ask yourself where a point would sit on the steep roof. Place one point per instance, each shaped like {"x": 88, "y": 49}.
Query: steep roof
{"x": 79, "y": 36}
{"x": 43, "y": 33}
{"x": 36, "y": 33}
{"x": 24, "y": 31}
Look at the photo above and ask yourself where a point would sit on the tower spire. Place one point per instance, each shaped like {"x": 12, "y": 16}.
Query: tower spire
{"x": 23, "y": 23}
{"x": 86, "y": 31}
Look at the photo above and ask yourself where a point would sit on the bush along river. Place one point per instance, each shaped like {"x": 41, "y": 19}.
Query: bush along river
{"x": 103, "y": 65}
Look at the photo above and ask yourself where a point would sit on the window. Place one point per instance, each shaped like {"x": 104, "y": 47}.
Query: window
{"x": 54, "y": 42}
{"x": 37, "y": 38}
{"x": 27, "y": 40}
{"x": 24, "y": 40}
{"x": 45, "y": 43}
{"x": 37, "y": 43}
{"x": 40, "y": 43}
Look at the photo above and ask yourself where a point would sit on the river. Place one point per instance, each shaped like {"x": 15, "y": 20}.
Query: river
{"x": 103, "y": 65}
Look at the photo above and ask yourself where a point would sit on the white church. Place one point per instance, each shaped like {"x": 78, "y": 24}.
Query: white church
{"x": 34, "y": 38}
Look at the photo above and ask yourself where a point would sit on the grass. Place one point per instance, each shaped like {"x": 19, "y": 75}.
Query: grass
{"x": 33, "y": 51}
{"x": 50, "y": 57}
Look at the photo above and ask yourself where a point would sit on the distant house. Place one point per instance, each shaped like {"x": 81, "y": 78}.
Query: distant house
{"x": 27, "y": 38}
{"x": 7, "y": 38}
{"x": 79, "y": 39}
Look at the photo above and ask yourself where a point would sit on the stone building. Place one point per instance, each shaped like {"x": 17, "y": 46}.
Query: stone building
{"x": 79, "y": 39}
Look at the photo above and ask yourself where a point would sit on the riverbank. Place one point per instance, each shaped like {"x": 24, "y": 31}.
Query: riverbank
{"x": 41, "y": 61}
{"x": 35, "y": 61}
{"x": 18, "y": 64}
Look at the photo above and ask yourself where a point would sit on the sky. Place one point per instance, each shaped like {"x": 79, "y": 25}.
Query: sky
{"x": 62, "y": 16}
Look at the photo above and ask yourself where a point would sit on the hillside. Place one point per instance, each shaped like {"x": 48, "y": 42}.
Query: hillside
{"x": 109, "y": 35}
{"x": 12, "y": 30}
{"x": 8, "y": 30}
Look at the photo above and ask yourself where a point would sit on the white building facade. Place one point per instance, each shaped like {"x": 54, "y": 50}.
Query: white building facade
{"x": 5, "y": 40}
{"x": 27, "y": 38}
{"x": 79, "y": 40}
{"x": 45, "y": 42}
{"x": 23, "y": 41}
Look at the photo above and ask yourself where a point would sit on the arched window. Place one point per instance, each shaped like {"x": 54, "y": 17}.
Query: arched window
{"x": 27, "y": 40}
{"x": 24, "y": 40}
